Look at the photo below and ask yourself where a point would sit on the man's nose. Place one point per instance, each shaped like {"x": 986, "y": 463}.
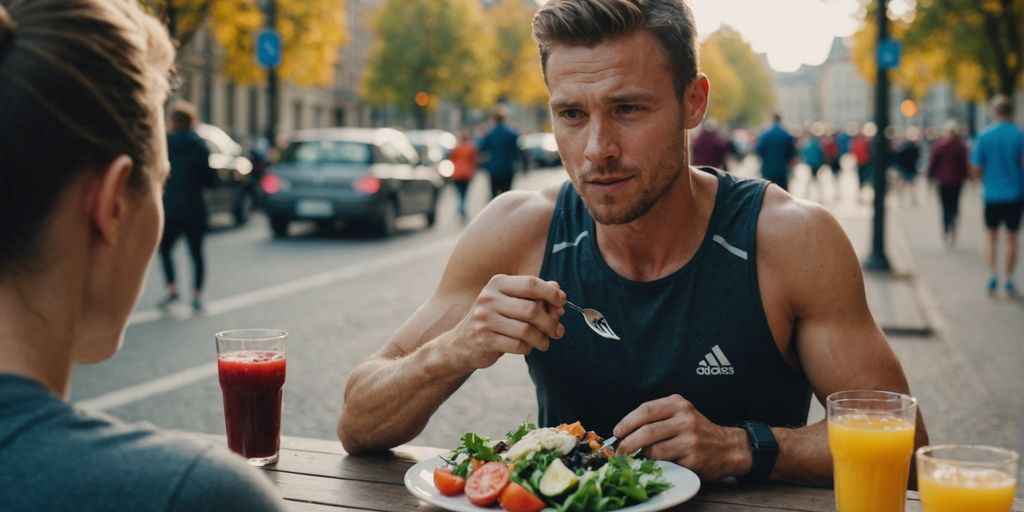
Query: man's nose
{"x": 602, "y": 142}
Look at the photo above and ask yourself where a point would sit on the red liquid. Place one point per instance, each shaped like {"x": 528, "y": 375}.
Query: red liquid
{"x": 253, "y": 384}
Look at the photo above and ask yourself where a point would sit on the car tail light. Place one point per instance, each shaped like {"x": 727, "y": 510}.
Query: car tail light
{"x": 270, "y": 183}
{"x": 367, "y": 184}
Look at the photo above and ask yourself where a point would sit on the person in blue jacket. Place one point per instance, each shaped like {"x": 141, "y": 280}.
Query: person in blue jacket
{"x": 777, "y": 148}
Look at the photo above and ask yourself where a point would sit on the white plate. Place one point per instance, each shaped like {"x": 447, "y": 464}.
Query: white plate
{"x": 420, "y": 481}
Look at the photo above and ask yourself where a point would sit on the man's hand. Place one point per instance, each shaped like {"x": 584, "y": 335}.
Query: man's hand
{"x": 672, "y": 429}
{"x": 511, "y": 315}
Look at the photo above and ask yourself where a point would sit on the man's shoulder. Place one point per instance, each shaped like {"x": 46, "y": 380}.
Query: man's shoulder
{"x": 791, "y": 226}
{"x": 511, "y": 230}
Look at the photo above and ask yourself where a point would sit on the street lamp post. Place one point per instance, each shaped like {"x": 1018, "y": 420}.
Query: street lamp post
{"x": 878, "y": 260}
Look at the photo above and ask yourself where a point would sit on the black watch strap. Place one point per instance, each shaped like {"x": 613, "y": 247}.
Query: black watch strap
{"x": 764, "y": 450}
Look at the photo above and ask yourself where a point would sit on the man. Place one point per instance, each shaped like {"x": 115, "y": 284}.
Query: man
{"x": 501, "y": 145}
{"x": 998, "y": 158}
{"x": 776, "y": 147}
{"x": 720, "y": 322}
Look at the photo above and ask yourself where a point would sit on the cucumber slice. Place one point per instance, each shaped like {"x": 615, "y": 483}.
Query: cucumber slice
{"x": 557, "y": 479}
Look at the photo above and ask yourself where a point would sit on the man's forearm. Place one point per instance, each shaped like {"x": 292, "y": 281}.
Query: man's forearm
{"x": 804, "y": 457}
{"x": 389, "y": 401}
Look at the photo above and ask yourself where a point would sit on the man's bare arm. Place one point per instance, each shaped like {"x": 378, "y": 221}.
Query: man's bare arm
{"x": 476, "y": 315}
{"x": 838, "y": 343}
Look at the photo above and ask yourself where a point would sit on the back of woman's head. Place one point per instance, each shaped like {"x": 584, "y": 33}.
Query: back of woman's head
{"x": 81, "y": 82}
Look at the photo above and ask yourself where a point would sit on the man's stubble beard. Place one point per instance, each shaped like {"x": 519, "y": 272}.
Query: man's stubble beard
{"x": 650, "y": 195}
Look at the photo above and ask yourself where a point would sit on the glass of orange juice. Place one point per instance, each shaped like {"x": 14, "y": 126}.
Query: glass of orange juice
{"x": 966, "y": 478}
{"x": 871, "y": 436}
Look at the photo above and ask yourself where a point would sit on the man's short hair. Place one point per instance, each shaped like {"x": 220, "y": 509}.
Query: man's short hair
{"x": 591, "y": 22}
{"x": 1002, "y": 105}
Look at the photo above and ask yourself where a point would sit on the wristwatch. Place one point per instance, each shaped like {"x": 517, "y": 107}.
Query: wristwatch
{"x": 764, "y": 450}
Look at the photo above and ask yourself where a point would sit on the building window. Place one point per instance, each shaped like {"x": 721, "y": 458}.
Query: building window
{"x": 230, "y": 93}
{"x": 254, "y": 111}
{"x": 297, "y": 114}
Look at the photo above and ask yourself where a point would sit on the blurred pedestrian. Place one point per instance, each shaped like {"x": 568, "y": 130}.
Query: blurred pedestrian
{"x": 464, "y": 158}
{"x": 998, "y": 158}
{"x": 832, "y": 154}
{"x": 710, "y": 148}
{"x": 501, "y": 146}
{"x": 813, "y": 152}
{"x": 184, "y": 206}
{"x": 947, "y": 166}
{"x": 907, "y": 156}
{"x": 777, "y": 149}
{"x": 861, "y": 148}
{"x": 82, "y": 162}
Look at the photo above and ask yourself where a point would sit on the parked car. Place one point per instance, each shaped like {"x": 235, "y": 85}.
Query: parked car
{"x": 540, "y": 150}
{"x": 434, "y": 146}
{"x": 234, "y": 190}
{"x": 361, "y": 176}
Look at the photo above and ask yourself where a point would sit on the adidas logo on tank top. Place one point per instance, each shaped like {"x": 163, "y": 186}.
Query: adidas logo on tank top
{"x": 715, "y": 363}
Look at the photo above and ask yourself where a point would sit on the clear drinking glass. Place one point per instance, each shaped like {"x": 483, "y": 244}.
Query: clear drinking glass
{"x": 251, "y": 364}
{"x": 956, "y": 478}
{"x": 871, "y": 436}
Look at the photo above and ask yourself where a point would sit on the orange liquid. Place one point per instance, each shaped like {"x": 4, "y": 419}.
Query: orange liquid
{"x": 954, "y": 489}
{"x": 871, "y": 461}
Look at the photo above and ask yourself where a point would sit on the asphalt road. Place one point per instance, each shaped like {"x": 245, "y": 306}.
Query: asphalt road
{"x": 339, "y": 295}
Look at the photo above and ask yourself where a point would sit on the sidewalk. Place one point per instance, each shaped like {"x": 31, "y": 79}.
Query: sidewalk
{"x": 962, "y": 350}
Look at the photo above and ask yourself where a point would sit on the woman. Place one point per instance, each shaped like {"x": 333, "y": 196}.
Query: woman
{"x": 464, "y": 160}
{"x": 184, "y": 208}
{"x": 82, "y": 162}
{"x": 947, "y": 165}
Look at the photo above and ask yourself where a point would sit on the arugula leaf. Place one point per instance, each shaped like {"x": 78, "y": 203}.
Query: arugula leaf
{"x": 524, "y": 428}
{"x": 473, "y": 446}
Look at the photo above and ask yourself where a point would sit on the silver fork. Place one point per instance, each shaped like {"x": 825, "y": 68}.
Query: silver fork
{"x": 595, "y": 320}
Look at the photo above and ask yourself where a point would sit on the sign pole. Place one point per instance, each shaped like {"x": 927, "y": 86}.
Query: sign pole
{"x": 877, "y": 260}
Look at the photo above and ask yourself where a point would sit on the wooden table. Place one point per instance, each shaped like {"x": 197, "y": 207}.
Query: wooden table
{"x": 317, "y": 475}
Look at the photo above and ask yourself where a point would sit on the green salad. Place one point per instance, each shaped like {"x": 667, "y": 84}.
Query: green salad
{"x": 532, "y": 469}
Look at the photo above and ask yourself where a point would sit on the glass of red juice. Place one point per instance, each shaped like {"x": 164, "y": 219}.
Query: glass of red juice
{"x": 251, "y": 365}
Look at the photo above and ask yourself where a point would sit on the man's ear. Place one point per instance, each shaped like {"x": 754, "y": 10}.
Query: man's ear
{"x": 696, "y": 100}
{"x": 109, "y": 199}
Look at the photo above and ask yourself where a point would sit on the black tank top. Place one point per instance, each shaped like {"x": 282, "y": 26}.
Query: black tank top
{"x": 700, "y": 332}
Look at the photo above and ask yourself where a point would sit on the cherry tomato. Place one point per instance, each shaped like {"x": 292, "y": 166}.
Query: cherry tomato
{"x": 447, "y": 483}
{"x": 515, "y": 498}
{"x": 486, "y": 483}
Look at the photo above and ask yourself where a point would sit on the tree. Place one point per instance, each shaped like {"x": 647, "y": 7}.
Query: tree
{"x": 516, "y": 57}
{"x": 726, "y": 89}
{"x": 311, "y": 32}
{"x": 757, "y": 96}
{"x": 427, "y": 50}
{"x": 976, "y": 45}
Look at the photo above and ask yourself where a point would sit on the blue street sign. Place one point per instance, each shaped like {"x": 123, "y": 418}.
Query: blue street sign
{"x": 268, "y": 48}
{"x": 889, "y": 54}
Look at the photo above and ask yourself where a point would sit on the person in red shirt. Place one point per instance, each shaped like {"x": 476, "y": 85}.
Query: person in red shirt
{"x": 947, "y": 166}
{"x": 464, "y": 158}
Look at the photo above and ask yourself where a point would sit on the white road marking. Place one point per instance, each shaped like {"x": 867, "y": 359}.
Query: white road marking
{"x": 132, "y": 394}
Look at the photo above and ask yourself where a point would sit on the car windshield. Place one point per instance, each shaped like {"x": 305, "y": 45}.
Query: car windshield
{"x": 327, "y": 152}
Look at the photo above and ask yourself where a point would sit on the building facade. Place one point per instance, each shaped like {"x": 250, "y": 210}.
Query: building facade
{"x": 241, "y": 110}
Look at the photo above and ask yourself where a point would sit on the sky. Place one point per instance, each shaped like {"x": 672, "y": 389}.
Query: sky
{"x": 790, "y": 32}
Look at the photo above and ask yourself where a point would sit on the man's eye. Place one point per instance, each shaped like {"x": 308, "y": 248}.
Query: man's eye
{"x": 571, "y": 114}
{"x": 628, "y": 109}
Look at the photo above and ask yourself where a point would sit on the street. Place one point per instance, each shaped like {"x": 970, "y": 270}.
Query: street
{"x": 341, "y": 296}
